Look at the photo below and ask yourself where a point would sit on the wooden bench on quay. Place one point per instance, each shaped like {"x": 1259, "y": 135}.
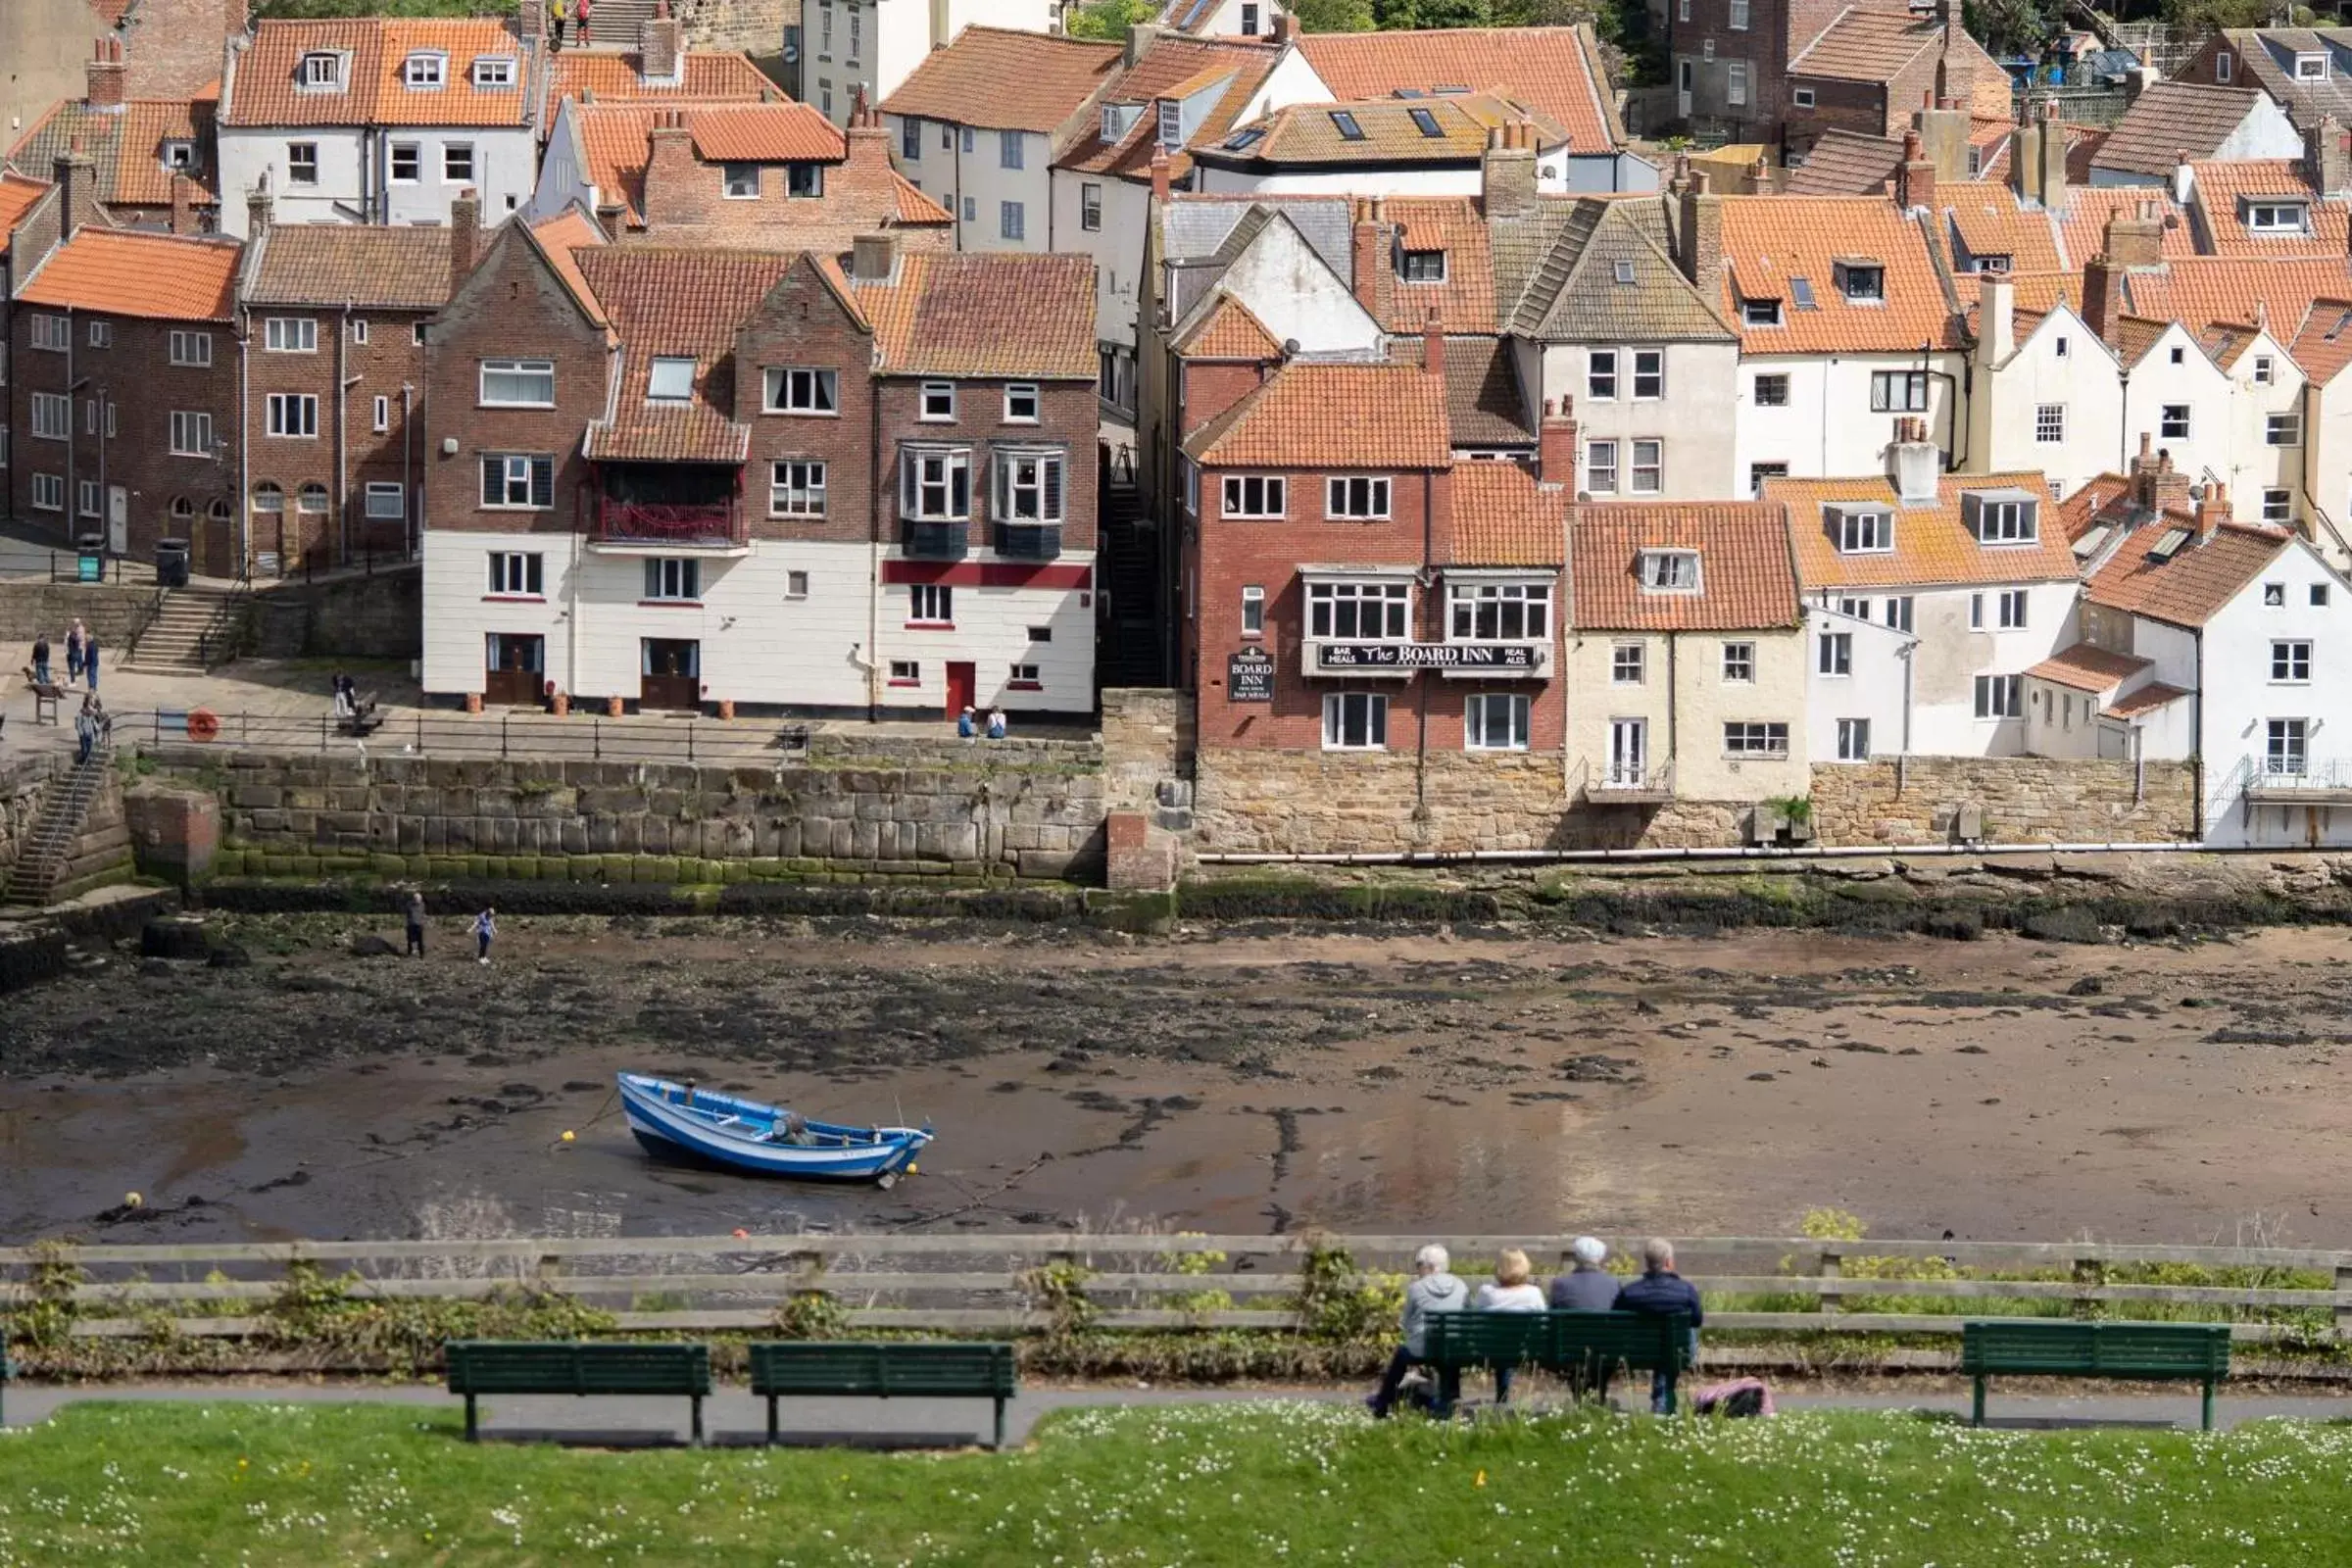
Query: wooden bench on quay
{"x": 830, "y": 1369}
{"x": 2174, "y": 1352}
{"x": 46, "y": 695}
{"x": 1584, "y": 1348}
{"x": 519, "y": 1367}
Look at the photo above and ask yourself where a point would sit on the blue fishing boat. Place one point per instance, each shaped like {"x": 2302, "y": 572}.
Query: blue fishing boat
{"x": 678, "y": 1121}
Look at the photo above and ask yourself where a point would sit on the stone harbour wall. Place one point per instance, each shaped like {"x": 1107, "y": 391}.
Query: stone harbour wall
{"x": 1146, "y": 737}
{"x": 33, "y": 608}
{"x": 370, "y": 616}
{"x": 2023, "y": 799}
{"x": 963, "y": 812}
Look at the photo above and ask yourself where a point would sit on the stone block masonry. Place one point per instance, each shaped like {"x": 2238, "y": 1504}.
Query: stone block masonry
{"x": 118, "y": 615}
{"x": 754, "y": 26}
{"x": 2028, "y": 800}
{"x": 364, "y": 615}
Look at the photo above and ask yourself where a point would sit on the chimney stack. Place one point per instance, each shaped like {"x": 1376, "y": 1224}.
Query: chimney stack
{"x": 1698, "y": 245}
{"x": 76, "y": 175}
{"x": 1159, "y": 174}
{"x": 530, "y": 17}
{"x": 1140, "y": 37}
{"x": 673, "y": 174}
{"x": 1374, "y": 275}
{"x": 1507, "y": 175}
{"x": 1915, "y": 179}
{"x": 183, "y": 204}
{"x": 2103, "y": 295}
{"x": 258, "y": 209}
{"x": 465, "y": 234}
{"x": 2053, "y": 158}
{"x": 1285, "y": 29}
{"x": 1996, "y": 321}
{"x": 659, "y": 56}
{"x": 105, "y": 92}
{"x": 1555, "y": 444}
{"x": 875, "y": 258}
{"x": 2213, "y": 510}
{"x": 1433, "y": 345}
{"x": 2136, "y": 240}
{"x": 2324, "y": 163}
{"x": 1913, "y": 462}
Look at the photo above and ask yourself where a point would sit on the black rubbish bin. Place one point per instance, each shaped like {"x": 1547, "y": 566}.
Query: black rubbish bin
{"x": 172, "y": 562}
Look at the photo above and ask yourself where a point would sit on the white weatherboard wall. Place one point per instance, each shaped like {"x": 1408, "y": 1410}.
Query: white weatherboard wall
{"x": 992, "y": 632}
{"x": 2240, "y": 699}
{"x": 1826, "y": 430}
{"x": 1877, "y": 689}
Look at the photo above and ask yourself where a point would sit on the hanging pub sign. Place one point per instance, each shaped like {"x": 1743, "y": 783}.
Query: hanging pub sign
{"x": 1250, "y": 676}
{"x": 1428, "y": 656}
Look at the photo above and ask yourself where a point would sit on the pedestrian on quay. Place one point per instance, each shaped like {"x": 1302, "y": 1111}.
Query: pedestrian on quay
{"x": 40, "y": 659}
{"x": 89, "y": 656}
{"x": 996, "y": 723}
{"x": 485, "y": 931}
{"x": 967, "y": 727}
{"x": 1587, "y": 1287}
{"x": 74, "y": 638}
{"x": 581, "y": 15}
{"x": 86, "y": 728}
{"x": 1661, "y": 1292}
{"x": 416, "y": 923}
{"x": 556, "y": 20}
{"x": 1434, "y": 1289}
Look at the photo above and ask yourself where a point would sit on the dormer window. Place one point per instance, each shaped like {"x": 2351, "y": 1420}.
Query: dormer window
{"x": 494, "y": 71}
{"x": 1760, "y": 312}
{"x": 2002, "y": 516}
{"x": 426, "y": 73}
{"x": 2311, "y": 68}
{"x": 1993, "y": 266}
{"x": 1669, "y": 571}
{"x": 1423, "y": 266}
{"x": 1117, "y": 120}
{"x": 1172, "y": 123}
{"x": 1862, "y": 282}
{"x": 1861, "y": 530}
{"x": 321, "y": 70}
{"x": 179, "y": 155}
{"x": 672, "y": 381}
{"x": 2275, "y": 218}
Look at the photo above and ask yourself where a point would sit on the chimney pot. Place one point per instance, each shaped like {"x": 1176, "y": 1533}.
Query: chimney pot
{"x": 1433, "y": 345}
{"x": 1556, "y": 444}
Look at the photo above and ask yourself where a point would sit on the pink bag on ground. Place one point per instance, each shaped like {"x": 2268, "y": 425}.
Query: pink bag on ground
{"x": 1740, "y": 1396}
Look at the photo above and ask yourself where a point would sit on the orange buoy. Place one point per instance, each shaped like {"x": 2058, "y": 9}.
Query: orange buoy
{"x": 203, "y": 725}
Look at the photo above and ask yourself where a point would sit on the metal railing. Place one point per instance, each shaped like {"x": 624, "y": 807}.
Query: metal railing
{"x": 2264, "y": 776}
{"x": 539, "y": 737}
{"x": 712, "y": 524}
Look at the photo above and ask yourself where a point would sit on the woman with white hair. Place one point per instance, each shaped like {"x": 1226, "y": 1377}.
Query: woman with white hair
{"x": 1433, "y": 1288}
{"x": 1585, "y": 1288}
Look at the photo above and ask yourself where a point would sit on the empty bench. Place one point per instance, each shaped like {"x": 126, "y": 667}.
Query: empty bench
{"x": 1584, "y": 1348}
{"x": 521, "y": 1366}
{"x": 850, "y": 1370}
{"x": 46, "y": 695}
{"x": 2178, "y": 1353}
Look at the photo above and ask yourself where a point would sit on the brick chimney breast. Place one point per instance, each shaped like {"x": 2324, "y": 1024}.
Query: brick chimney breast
{"x": 465, "y": 234}
{"x": 1433, "y": 345}
{"x": 107, "y": 93}
{"x": 1698, "y": 245}
{"x": 659, "y": 56}
{"x": 1555, "y": 444}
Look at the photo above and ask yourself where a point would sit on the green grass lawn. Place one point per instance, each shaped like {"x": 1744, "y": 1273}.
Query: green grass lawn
{"x": 1257, "y": 1485}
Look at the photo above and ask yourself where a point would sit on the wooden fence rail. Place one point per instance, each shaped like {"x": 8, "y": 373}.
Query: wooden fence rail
{"x": 973, "y": 1282}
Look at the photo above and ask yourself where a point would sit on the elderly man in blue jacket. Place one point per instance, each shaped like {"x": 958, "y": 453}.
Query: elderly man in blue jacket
{"x": 1662, "y": 1292}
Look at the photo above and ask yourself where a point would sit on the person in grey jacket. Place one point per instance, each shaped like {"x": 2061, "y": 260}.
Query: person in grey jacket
{"x": 1433, "y": 1288}
{"x": 1587, "y": 1287}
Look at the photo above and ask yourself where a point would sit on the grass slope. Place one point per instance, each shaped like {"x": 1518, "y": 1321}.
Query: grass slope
{"x": 1242, "y": 1484}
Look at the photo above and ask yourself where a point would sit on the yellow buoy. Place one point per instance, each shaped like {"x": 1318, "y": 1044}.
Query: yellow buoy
{"x": 132, "y": 1199}
{"x": 569, "y": 1136}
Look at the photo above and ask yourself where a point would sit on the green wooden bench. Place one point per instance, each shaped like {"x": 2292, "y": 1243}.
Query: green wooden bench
{"x": 868, "y": 1371}
{"x": 1582, "y": 1346}
{"x": 8, "y": 1371}
{"x": 2183, "y": 1352}
{"x": 578, "y": 1367}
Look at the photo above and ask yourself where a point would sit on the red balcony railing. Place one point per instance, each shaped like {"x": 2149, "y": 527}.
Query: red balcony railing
{"x": 715, "y": 524}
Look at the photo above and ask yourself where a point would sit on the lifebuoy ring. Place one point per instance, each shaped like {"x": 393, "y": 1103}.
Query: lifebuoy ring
{"x": 203, "y": 725}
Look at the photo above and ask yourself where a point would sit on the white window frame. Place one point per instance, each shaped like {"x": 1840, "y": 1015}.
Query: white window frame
{"x": 48, "y": 492}
{"x": 1032, "y": 485}
{"x": 1853, "y": 740}
{"x": 2010, "y": 610}
{"x": 1629, "y": 665}
{"x": 1735, "y": 83}
{"x": 517, "y": 470}
{"x": 1357, "y": 498}
{"x": 2290, "y": 662}
{"x": 1018, "y": 393}
{"x": 906, "y": 672}
{"x": 52, "y": 334}
{"x": 493, "y": 72}
{"x": 2172, "y": 421}
{"x": 1835, "y": 649}
{"x": 1361, "y": 601}
{"x": 2282, "y": 430}
{"x": 673, "y": 579}
{"x": 1600, "y": 375}
{"x": 935, "y": 402}
{"x": 459, "y": 165}
{"x": 426, "y": 71}
{"x": 384, "y": 501}
{"x": 1656, "y": 467}
{"x": 302, "y": 163}
{"x": 1739, "y": 664}
{"x": 739, "y": 182}
{"x": 511, "y": 372}
{"x": 320, "y": 70}
{"x": 2050, "y": 423}
{"x": 1254, "y": 611}
{"x": 796, "y": 584}
{"x": 796, "y": 487}
{"x": 51, "y": 416}
{"x": 1802, "y": 97}
{"x": 2286, "y": 747}
{"x": 944, "y": 469}
{"x": 1369, "y": 728}
{"x": 1755, "y": 739}
{"x": 804, "y": 391}
{"x": 382, "y": 413}
{"x": 405, "y": 165}
{"x": 102, "y": 334}
{"x": 2277, "y": 505}
{"x": 1739, "y": 16}
{"x": 1494, "y": 611}
{"x": 1480, "y": 709}
{"x": 292, "y": 416}
{"x": 931, "y": 605}
{"x": 1865, "y": 533}
{"x": 191, "y": 433}
{"x": 1999, "y": 696}
{"x": 1256, "y": 496}
{"x": 1089, "y": 205}
{"x": 290, "y": 334}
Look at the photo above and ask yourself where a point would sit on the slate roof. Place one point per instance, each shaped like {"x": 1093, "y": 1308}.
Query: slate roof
{"x": 381, "y": 267}
{"x": 1502, "y": 517}
{"x": 2087, "y": 669}
{"x": 2195, "y": 585}
{"x": 1745, "y": 579}
{"x": 1574, "y": 292}
{"x": 1200, "y": 235}
{"x": 1932, "y": 545}
{"x": 264, "y": 90}
{"x": 1551, "y": 69}
{"x": 1771, "y": 241}
{"x": 1846, "y": 162}
{"x": 988, "y": 314}
{"x": 2170, "y": 118}
{"x": 129, "y": 273}
{"x": 2267, "y": 55}
{"x": 1001, "y": 80}
{"x": 1316, "y": 416}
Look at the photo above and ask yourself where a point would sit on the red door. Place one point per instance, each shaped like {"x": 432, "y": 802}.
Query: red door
{"x": 963, "y": 686}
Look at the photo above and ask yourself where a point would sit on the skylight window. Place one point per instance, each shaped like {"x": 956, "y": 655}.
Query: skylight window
{"x": 1407, "y": 92}
{"x": 1625, "y": 272}
{"x": 2166, "y": 548}
{"x": 1800, "y": 289}
{"x": 672, "y": 381}
{"x": 1345, "y": 124}
{"x": 1246, "y": 140}
{"x": 1425, "y": 122}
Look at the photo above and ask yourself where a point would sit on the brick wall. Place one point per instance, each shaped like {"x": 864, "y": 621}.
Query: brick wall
{"x": 803, "y": 322}
{"x": 1068, "y": 417}
{"x": 349, "y": 452}
{"x": 2025, "y": 799}
{"x": 173, "y": 48}
{"x": 860, "y": 197}
{"x": 1855, "y": 106}
{"x": 1211, "y": 387}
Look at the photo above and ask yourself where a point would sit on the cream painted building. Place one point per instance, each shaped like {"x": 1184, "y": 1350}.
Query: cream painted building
{"x": 2047, "y": 395}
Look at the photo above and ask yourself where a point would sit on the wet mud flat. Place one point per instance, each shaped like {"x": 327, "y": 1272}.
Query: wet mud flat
{"x": 1243, "y": 1078}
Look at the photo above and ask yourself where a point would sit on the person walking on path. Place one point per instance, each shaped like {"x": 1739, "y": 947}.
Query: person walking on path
{"x": 86, "y": 728}
{"x": 556, "y": 20}
{"x": 581, "y": 15}
{"x": 40, "y": 660}
{"x": 1661, "y": 1292}
{"x": 1434, "y": 1289}
{"x": 1587, "y": 1287}
{"x": 75, "y": 637}
{"x": 416, "y": 923}
{"x": 485, "y": 931}
{"x": 89, "y": 658}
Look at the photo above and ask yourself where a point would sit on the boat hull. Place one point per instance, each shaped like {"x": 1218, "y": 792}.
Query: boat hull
{"x": 677, "y": 1123}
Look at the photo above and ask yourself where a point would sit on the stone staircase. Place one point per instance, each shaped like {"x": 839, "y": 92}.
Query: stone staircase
{"x": 613, "y": 23}
{"x": 63, "y": 848}
{"x": 1129, "y": 562}
{"x": 192, "y": 631}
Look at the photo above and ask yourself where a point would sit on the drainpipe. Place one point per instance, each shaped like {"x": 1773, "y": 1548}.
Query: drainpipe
{"x": 1421, "y": 680}
{"x": 73, "y": 496}
{"x": 343, "y": 383}
{"x": 873, "y": 519}
{"x": 244, "y": 332}
{"x": 959, "y": 213}
{"x": 413, "y": 507}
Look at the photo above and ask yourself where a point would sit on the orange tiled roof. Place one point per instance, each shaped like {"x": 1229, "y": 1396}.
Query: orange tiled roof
{"x": 560, "y": 239}
{"x": 2222, "y": 187}
{"x": 375, "y": 91}
{"x": 709, "y": 74}
{"x": 2191, "y": 587}
{"x": 2079, "y": 513}
{"x": 1230, "y": 331}
{"x": 126, "y": 150}
{"x": 1770, "y": 241}
{"x": 2200, "y": 291}
{"x": 1454, "y": 224}
{"x": 988, "y": 314}
{"x": 2087, "y": 669}
{"x": 765, "y": 134}
{"x": 2324, "y": 345}
{"x": 123, "y": 272}
{"x": 1502, "y": 517}
{"x": 1332, "y": 415}
{"x": 2146, "y": 700}
{"x": 1932, "y": 545}
{"x": 1989, "y": 222}
{"x": 1549, "y": 68}
{"x": 681, "y": 304}
{"x": 914, "y": 207}
{"x": 17, "y": 197}
{"x": 2035, "y": 292}
{"x": 617, "y": 140}
{"x": 1001, "y": 80}
{"x": 1745, "y": 579}
{"x": 2082, "y": 226}
{"x": 1169, "y": 67}
{"x": 1387, "y": 132}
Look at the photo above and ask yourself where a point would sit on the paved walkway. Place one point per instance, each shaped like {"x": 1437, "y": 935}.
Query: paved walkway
{"x": 732, "y": 1415}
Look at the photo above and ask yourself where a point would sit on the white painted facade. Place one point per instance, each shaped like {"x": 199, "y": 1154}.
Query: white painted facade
{"x": 1959, "y": 638}
{"x": 354, "y": 165}
{"x": 1295, "y": 296}
{"x": 761, "y": 642}
{"x": 1116, "y": 244}
{"x": 2061, "y": 365}
{"x": 1223, "y": 19}
{"x": 1874, "y": 690}
{"x": 875, "y": 45}
{"x": 2176, "y": 378}
{"x": 2327, "y": 483}
{"x": 974, "y": 173}
{"x": 2240, "y": 698}
{"x": 2265, "y": 433}
{"x": 1825, "y": 427}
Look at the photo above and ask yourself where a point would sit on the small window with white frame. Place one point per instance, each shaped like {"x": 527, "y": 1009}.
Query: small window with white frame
{"x": 1254, "y": 611}
{"x": 796, "y": 488}
{"x": 1739, "y": 664}
{"x": 48, "y": 492}
{"x": 1861, "y": 531}
{"x": 1255, "y": 495}
{"x": 1024, "y": 678}
{"x": 1853, "y": 740}
{"x": 1029, "y": 486}
{"x": 425, "y": 71}
{"x": 191, "y": 349}
{"x": 796, "y": 585}
{"x": 739, "y": 182}
{"x": 1489, "y": 612}
{"x": 1601, "y": 467}
{"x": 1836, "y": 654}
{"x": 1752, "y": 739}
{"x": 2009, "y": 608}
{"x": 930, "y": 603}
{"x": 2283, "y": 430}
{"x": 381, "y": 415}
{"x": 1649, "y": 374}
{"x": 935, "y": 484}
{"x": 2290, "y": 662}
{"x": 2050, "y": 423}
{"x": 302, "y": 163}
{"x": 2172, "y": 423}
{"x": 1358, "y": 612}
{"x": 1021, "y": 404}
{"x": 191, "y": 434}
{"x": 1600, "y": 374}
{"x": 1628, "y": 664}
{"x": 321, "y": 70}
{"x": 517, "y": 383}
{"x": 2262, "y": 369}
{"x": 2277, "y": 505}
{"x": 1495, "y": 722}
{"x": 1648, "y": 477}
{"x": 102, "y": 334}
{"x": 385, "y": 501}
{"x": 1355, "y": 722}
{"x": 1357, "y": 499}
{"x": 405, "y": 166}
{"x": 457, "y": 163}
{"x": 493, "y": 72}
{"x": 673, "y": 578}
{"x": 290, "y": 334}
{"x": 906, "y": 672}
{"x": 937, "y": 401}
{"x": 1802, "y": 97}
{"x": 2311, "y": 67}
{"x": 2276, "y": 218}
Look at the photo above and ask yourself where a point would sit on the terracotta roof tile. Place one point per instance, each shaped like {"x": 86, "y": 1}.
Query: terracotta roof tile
{"x": 2224, "y": 190}
{"x": 1465, "y": 300}
{"x": 1846, "y": 162}
{"x": 607, "y": 75}
{"x": 1190, "y": 63}
{"x": 1769, "y": 242}
{"x": 264, "y": 89}
{"x": 1549, "y": 68}
{"x": 1229, "y": 331}
{"x": 1932, "y": 545}
{"x": 765, "y": 134}
{"x": 990, "y": 313}
{"x": 1868, "y": 44}
{"x": 562, "y": 238}
{"x": 384, "y": 267}
{"x": 132, "y": 273}
{"x": 1745, "y": 581}
{"x": 2201, "y": 290}
{"x": 126, "y": 150}
{"x": 2170, "y": 117}
{"x": 1001, "y": 80}
{"x": 2035, "y": 292}
{"x": 676, "y": 303}
{"x": 2190, "y": 588}
{"x": 914, "y": 207}
{"x": 2082, "y": 226}
{"x": 17, "y": 197}
{"x": 2079, "y": 513}
{"x": 1988, "y": 221}
{"x": 2146, "y": 700}
{"x": 617, "y": 140}
{"x": 2324, "y": 346}
{"x": 2087, "y": 669}
{"x": 1502, "y": 517}
{"x": 1332, "y": 415}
